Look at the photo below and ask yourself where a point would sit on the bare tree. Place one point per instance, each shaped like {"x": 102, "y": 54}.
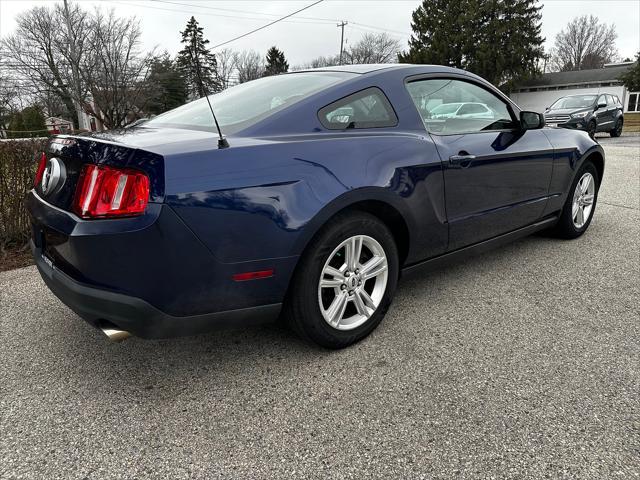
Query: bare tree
{"x": 114, "y": 69}
{"x": 9, "y": 94}
{"x": 585, "y": 43}
{"x": 250, "y": 65}
{"x": 373, "y": 48}
{"x": 319, "y": 62}
{"x": 226, "y": 66}
{"x": 38, "y": 52}
{"x": 90, "y": 61}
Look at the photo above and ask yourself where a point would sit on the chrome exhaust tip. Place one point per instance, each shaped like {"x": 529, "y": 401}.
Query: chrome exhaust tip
{"x": 114, "y": 334}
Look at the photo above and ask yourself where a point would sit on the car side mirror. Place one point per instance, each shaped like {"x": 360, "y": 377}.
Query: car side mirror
{"x": 531, "y": 120}
{"x": 602, "y": 105}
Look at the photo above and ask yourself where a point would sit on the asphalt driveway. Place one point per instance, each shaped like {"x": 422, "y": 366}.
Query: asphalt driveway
{"x": 521, "y": 363}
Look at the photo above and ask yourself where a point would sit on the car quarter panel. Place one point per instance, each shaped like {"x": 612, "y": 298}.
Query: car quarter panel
{"x": 266, "y": 201}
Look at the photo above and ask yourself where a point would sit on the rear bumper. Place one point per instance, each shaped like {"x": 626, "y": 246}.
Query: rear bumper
{"x": 137, "y": 316}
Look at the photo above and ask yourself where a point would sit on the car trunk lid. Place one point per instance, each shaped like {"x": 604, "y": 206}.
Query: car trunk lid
{"x": 66, "y": 156}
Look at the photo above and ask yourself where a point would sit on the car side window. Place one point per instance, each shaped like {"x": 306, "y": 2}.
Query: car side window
{"x": 367, "y": 108}
{"x": 610, "y": 101}
{"x": 450, "y": 107}
{"x": 602, "y": 99}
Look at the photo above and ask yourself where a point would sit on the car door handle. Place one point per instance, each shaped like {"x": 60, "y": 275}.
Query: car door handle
{"x": 461, "y": 160}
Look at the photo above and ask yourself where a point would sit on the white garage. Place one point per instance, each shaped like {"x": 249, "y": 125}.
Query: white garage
{"x": 541, "y": 92}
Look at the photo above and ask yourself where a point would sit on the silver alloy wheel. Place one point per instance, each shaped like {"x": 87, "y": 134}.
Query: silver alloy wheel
{"x": 353, "y": 282}
{"x": 583, "y": 198}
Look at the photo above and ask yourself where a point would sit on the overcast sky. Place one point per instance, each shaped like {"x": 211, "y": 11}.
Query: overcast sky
{"x": 314, "y": 32}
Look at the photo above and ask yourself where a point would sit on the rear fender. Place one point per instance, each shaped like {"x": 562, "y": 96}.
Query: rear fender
{"x": 349, "y": 200}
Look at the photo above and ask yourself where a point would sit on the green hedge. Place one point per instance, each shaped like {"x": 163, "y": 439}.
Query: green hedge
{"x": 17, "y": 169}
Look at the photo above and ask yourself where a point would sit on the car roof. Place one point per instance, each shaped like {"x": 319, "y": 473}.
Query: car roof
{"x": 356, "y": 68}
{"x": 363, "y": 69}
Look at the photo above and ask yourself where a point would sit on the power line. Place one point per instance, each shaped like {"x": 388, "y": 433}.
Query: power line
{"x": 364, "y": 25}
{"x": 299, "y": 19}
{"x": 218, "y": 15}
{"x": 265, "y": 26}
{"x": 238, "y": 11}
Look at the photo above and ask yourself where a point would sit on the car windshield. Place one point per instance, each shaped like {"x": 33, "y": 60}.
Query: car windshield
{"x": 445, "y": 108}
{"x": 243, "y": 105}
{"x": 577, "y": 101}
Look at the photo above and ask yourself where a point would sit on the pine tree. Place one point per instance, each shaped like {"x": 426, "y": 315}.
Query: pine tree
{"x": 16, "y": 126}
{"x": 195, "y": 58}
{"x": 27, "y": 123}
{"x": 439, "y": 33}
{"x": 167, "y": 86}
{"x": 508, "y": 46}
{"x": 499, "y": 40}
{"x": 631, "y": 78}
{"x": 276, "y": 62}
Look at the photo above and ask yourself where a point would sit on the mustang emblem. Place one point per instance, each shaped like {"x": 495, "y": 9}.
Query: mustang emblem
{"x": 52, "y": 176}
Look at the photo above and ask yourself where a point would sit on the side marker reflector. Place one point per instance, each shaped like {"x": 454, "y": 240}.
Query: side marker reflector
{"x": 243, "y": 277}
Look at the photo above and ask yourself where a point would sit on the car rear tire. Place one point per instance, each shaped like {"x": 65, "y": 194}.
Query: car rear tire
{"x": 345, "y": 281}
{"x": 617, "y": 130}
{"x": 591, "y": 129}
{"x": 581, "y": 202}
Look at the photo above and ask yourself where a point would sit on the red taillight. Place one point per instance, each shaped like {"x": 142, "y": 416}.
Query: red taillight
{"x": 41, "y": 168}
{"x": 110, "y": 192}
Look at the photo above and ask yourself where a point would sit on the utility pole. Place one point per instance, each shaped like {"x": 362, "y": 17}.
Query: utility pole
{"x": 74, "y": 63}
{"x": 341, "y": 25}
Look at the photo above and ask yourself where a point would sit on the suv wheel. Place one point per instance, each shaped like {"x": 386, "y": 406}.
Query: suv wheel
{"x": 345, "y": 281}
{"x": 591, "y": 128}
{"x": 617, "y": 130}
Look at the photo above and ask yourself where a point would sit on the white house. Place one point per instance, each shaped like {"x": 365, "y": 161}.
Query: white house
{"x": 541, "y": 92}
{"x": 58, "y": 125}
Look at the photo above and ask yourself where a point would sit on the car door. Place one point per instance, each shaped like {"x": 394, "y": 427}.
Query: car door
{"x": 603, "y": 115}
{"x": 612, "y": 103}
{"x": 496, "y": 175}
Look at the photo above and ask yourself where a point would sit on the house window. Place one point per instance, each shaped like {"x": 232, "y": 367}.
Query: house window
{"x": 634, "y": 102}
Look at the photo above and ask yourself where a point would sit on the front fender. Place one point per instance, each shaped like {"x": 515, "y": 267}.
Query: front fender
{"x": 571, "y": 149}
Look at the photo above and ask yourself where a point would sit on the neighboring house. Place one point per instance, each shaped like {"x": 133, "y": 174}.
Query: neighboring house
{"x": 539, "y": 93}
{"x": 87, "y": 121}
{"x": 58, "y": 125}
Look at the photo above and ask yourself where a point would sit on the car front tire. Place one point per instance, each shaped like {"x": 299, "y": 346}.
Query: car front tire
{"x": 581, "y": 202}
{"x": 345, "y": 281}
{"x": 591, "y": 128}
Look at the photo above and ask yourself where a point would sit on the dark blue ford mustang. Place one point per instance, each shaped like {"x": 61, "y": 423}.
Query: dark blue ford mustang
{"x": 334, "y": 182}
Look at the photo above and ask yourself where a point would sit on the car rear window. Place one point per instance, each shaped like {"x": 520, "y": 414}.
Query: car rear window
{"x": 243, "y": 105}
{"x": 367, "y": 108}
